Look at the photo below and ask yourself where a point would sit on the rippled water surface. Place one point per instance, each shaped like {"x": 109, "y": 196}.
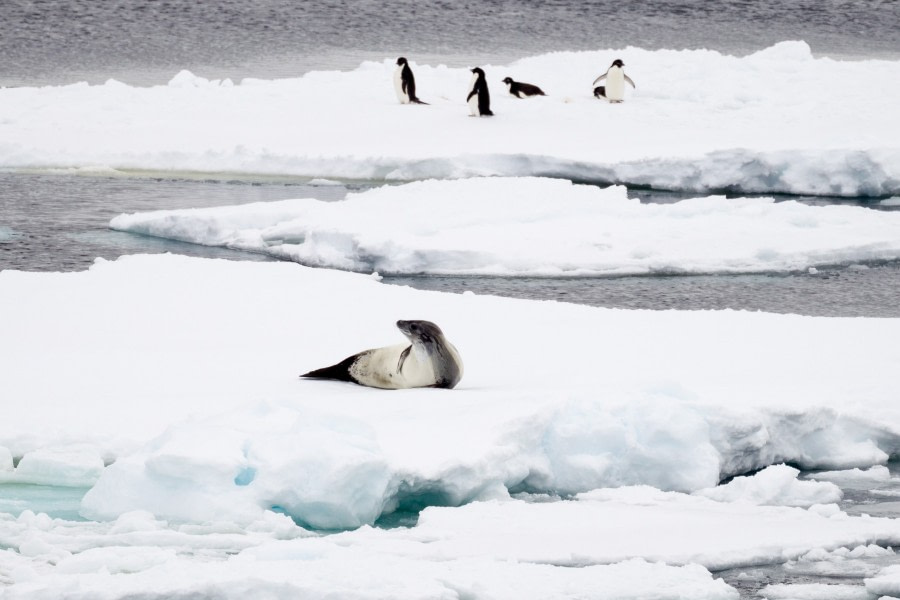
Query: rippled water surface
{"x": 60, "y": 223}
{"x": 143, "y": 41}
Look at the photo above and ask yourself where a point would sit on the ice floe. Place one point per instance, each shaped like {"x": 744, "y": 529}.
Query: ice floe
{"x": 534, "y": 226}
{"x": 533, "y": 476}
{"x": 776, "y": 485}
{"x": 185, "y": 372}
{"x": 699, "y": 120}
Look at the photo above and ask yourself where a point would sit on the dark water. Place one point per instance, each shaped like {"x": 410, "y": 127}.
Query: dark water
{"x": 60, "y": 223}
{"x": 147, "y": 41}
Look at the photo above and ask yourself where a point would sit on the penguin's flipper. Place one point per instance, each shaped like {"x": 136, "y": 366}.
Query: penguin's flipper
{"x": 599, "y": 79}
{"x": 628, "y": 79}
{"x": 472, "y": 93}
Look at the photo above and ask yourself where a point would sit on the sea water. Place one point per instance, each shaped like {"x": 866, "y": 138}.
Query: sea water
{"x": 141, "y": 41}
{"x": 59, "y": 222}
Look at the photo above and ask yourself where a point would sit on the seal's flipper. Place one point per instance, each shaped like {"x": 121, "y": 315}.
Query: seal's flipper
{"x": 340, "y": 371}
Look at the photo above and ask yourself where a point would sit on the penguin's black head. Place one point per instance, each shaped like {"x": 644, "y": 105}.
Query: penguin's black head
{"x": 507, "y": 80}
{"x": 478, "y": 71}
{"x": 422, "y": 331}
{"x": 618, "y": 63}
{"x": 401, "y": 61}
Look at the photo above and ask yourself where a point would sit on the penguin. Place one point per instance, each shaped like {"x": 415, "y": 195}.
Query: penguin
{"x": 615, "y": 77}
{"x": 479, "y": 98}
{"x": 522, "y": 90}
{"x": 405, "y": 83}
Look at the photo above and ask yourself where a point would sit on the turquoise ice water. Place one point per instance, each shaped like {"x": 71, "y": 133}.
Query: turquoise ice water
{"x": 56, "y": 501}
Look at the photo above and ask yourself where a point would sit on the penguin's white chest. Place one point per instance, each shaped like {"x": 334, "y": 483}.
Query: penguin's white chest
{"x": 615, "y": 83}
{"x": 398, "y": 85}
{"x": 473, "y": 101}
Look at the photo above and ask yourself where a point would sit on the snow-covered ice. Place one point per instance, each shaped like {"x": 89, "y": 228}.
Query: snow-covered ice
{"x": 776, "y": 485}
{"x": 698, "y": 120}
{"x": 562, "y": 465}
{"x": 534, "y": 226}
{"x": 855, "y": 477}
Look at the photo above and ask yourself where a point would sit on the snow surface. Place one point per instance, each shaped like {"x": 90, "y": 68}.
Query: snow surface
{"x": 778, "y": 120}
{"x": 867, "y": 478}
{"x": 776, "y": 485}
{"x": 534, "y": 226}
{"x": 183, "y": 373}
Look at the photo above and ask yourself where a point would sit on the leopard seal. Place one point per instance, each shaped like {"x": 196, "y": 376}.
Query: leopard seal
{"x": 429, "y": 360}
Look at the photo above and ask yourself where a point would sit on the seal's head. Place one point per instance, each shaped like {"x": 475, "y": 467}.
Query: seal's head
{"x": 422, "y": 332}
{"x": 429, "y": 343}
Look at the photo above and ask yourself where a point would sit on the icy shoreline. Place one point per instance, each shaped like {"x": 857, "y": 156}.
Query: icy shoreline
{"x": 530, "y": 226}
{"x": 698, "y": 121}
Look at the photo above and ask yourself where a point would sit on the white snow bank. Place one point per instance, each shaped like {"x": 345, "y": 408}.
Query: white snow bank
{"x": 698, "y": 120}
{"x": 814, "y": 591}
{"x": 534, "y": 226}
{"x": 185, "y": 370}
{"x": 859, "y": 562}
{"x": 775, "y": 485}
{"x": 73, "y": 465}
{"x": 886, "y": 583}
{"x": 870, "y": 477}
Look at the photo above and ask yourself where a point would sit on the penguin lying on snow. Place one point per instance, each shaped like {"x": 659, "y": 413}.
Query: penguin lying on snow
{"x": 522, "y": 90}
{"x": 615, "y": 77}
{"x": 479, "y": 98}
{"x": 429, "y": 360}
{"x": 405, "y": 83}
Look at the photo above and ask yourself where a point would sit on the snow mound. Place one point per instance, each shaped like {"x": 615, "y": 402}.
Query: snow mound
{"x": 872, "y": 476}
{"x": 71, "y": 466}
{"x": 534, "y": 226}
{"x": 698, "y": 120}
{"x": 775, "y": 485}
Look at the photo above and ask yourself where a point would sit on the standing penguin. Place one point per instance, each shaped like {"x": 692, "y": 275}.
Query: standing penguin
{"x": 405, "y": 83}
{"x": 522, "y": 90}
{"x": 615, "y": 77}
{"x": 479, "y": 98}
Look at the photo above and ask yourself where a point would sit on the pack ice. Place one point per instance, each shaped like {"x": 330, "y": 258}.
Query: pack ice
{"x": 535, "y": 226}
{"x": 778, "y": 120}
{"x": 580, "y": 456}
